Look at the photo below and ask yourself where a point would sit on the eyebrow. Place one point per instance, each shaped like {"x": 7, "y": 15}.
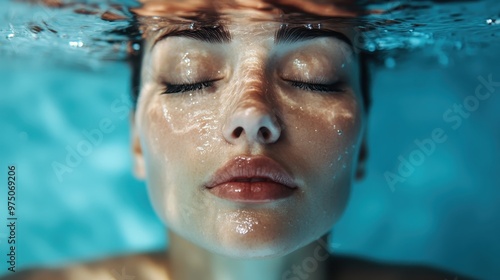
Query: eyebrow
{"x": 208, "y": 34}
{"x": 285, "y": 34}
{"x": 290, "y": 35}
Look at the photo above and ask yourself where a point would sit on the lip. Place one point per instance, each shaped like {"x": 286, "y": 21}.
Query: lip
{"x": 251, "y": 180}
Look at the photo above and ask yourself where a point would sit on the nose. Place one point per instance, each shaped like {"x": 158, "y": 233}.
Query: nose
{"x": 253, "y": 124}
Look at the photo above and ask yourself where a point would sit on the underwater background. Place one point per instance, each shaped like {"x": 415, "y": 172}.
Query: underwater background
{"x": 431, "y": 194}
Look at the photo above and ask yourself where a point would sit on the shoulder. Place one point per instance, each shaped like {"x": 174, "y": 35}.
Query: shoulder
{"x": 138, "y": 266}
{"x": 347, "y": 267}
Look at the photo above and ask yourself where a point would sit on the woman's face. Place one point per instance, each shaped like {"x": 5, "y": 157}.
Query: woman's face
{"x": 248, "y": 133}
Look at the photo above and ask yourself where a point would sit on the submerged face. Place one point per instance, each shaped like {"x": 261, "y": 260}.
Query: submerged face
{"x": 248, "y": 132}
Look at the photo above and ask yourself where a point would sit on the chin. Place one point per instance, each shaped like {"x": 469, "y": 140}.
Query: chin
{"x": 253, "y": 236}
{"x": 254, "y": 249}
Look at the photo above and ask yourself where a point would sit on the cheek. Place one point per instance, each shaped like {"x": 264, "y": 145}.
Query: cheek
{"x": 182, "y": 130}
{"x": 327, "y": 135}
{"x": 327, "y": 142}
{"x": 176, "y": 146}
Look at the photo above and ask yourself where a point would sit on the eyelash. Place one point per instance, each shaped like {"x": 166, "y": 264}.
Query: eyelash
{"x": 335, "y": 87}
{"x": 181, "y": 88}
{"x": 171, "y": 88}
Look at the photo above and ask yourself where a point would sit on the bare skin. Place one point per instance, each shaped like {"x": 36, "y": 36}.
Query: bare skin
{"x": 157, "y": 266}
{"x": 205, "y": 102}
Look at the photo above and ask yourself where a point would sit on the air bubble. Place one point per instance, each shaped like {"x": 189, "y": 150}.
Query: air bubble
{"x": 309, "y": 26}
{"x": 443, "y": 59}
{"x": 76, "y": 44}
{"x": 390, "y": 63}
{"x": 371, "y": 47}
{"x": 10, "y": 36}
{"x": 492, "y": 21}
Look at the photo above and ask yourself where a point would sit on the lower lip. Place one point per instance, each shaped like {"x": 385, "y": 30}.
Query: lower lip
{"x": 252, "y": 192}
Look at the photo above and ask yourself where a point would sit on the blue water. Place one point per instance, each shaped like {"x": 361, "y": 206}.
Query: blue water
{"x": 445, "y": 213}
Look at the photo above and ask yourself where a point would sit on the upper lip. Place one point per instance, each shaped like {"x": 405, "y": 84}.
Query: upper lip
{"x": 247, "y": 168}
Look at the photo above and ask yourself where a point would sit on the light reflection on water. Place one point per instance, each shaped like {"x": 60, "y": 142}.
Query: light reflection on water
{"x": 448, "y": 208}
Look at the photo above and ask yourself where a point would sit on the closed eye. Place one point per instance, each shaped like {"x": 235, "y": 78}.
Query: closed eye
{"x": 181, "y": 88}
{"x": 335, "y": 87}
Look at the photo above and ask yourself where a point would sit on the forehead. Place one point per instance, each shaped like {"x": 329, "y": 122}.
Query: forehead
{"x": 244, "y": 18}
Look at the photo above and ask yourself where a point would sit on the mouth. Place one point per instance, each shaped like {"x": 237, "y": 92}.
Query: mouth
{"x": 252, "y": 180}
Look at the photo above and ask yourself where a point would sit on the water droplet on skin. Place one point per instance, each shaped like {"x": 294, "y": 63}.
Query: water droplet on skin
{"x": 301, "y": 108}
{"x": 339, "y": 132}
{"x": 192, "y": 26}
{"x": 316, "y": 130}
{"x": 339, "y": 158}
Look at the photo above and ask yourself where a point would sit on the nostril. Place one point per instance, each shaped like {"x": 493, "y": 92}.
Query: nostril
{"x": 237, "y": 132}
{"x": 265, "y": 133}
{"x": 252, "y": 125}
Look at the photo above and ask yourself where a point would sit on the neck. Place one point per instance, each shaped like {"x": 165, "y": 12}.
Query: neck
{"x": 189, "y": 261}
